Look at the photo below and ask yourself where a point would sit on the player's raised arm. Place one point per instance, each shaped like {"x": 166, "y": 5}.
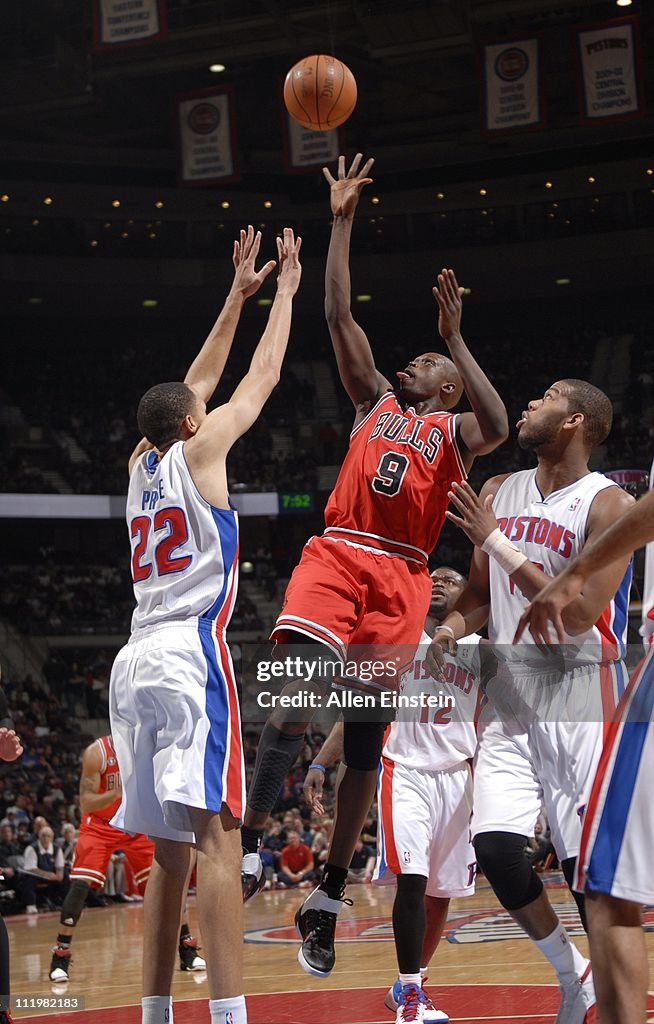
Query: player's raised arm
{"x": 207, "y": 367}
{"x": 487, "y": 426}
{"x": 609, "y": 547}
{"x": 356, "y": 365}
{"x": 226, "y": 424}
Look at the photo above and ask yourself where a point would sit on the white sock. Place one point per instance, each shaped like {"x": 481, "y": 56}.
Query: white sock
{"x": 157, "y": 1010}
{"x": 411, "y": 979}
{"x": 424, "y": 971}
{"x": 563, "y": 955}
{"x": 228, "y": 1011}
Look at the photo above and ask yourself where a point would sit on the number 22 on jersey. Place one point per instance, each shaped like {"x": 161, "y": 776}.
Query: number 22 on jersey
{"x": 170, "y": 530}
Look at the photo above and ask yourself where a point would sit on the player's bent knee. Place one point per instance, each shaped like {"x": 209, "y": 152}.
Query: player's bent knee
{"x": 73, "y": 906}
{"x": 502, "y": 858}
{"x": 362, "y": 745}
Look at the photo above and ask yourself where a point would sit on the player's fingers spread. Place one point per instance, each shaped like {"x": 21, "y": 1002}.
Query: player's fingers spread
{"x": 454, "y": 519}
{"x": 354, "y": 166}
{"x": 328, "y": 175}
{"x": 341, "y": 166}
{"x": 367, "y": 167}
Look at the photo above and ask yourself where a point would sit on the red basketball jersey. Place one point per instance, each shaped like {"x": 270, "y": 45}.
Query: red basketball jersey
{"x": 109, "y": 777}
{"x": 394, "y": 480}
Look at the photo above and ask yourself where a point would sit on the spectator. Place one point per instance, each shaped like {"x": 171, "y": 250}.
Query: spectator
{"x": 296, "y": 864}
{"x": 44, "y": 867}
{"x": 362, "y": 864}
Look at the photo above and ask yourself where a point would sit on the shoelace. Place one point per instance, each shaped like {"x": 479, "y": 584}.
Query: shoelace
{"x": 410, "y": 1002}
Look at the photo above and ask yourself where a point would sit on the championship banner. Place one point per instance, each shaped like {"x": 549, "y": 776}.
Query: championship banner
{"x": 511, "y": 85}
{"x": 206, "y": 138}
{"x": 127, "y": 22}
{"x": 305, "y": 148}
{"x": 610, "y": 84}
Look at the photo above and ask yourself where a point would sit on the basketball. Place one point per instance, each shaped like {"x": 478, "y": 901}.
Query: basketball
{"x": 320, "y": 92}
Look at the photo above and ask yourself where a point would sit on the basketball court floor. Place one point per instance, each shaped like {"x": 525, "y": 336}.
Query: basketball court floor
{"x": 484, "y": 971}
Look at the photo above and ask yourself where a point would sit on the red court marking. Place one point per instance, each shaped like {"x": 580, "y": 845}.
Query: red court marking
{"x": 499, "y": 1004}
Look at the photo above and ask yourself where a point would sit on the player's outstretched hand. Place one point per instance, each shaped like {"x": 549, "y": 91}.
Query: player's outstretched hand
{"x": 10, "y": 746}
{"x": 476, "y": 520}
{"x": 312, "y": 789}
{"x": 247, "y": 280}
{"x": 290, "y": 268}
{"x": 442, "y": 644}
{"x": 346, "y": 188}
{"x": 547, "y": 607}
{"x": 450, "y": 307}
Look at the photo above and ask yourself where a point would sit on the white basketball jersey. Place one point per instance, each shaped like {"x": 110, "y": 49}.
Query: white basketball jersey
{"x": 551, "y": 532}
{"x": 184, "y": 551}
{"x": 434, "y": 739}
{"x": 647, "y": 628}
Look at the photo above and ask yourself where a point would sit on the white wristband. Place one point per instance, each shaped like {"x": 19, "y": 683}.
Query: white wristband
{"x": 448, "y": 629}
{"x": 506, "y": 554}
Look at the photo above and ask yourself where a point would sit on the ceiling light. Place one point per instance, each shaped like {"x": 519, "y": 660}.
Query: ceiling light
{"x": 48, "y": 201}
{"x": 440, "y": 195}
{"x": 35, "y": 223}
{"x": 548, "y": 184}
{"x": 124, "y": 234}
{"x": 35, "y": 300}
{"x": 591, "y": 180}
{"x": 624, "y": 3}
{"x": 375, "y": 200}
{"x": 650, "y": 170}
{"x": 467, "y": 291}
{"x": 4, "y": 197}
{"x": 267, "y": 204}
{"x": 159, "y": 204}
{"x": 264, "y": 302}
{"x": 152, "y": 234}
{"x": 216, "y": 68}
{"x": 150, "y": 303}
{"x": 563, "y": 280}
{"x": 225, "y": 204}
{"x": 364, "y": 298}
{"x": 483, "y": 192}
{"x": 93, "y": 243}
{"x": 115, "y": 203}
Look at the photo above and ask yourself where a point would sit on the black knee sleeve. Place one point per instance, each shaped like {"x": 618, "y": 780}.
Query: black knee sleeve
{"x": 362, "y": 744}
{"x": 568, "y": 867}
{"x": 74, "y": 902}
{"x": 502, "y": 858}
{"x": 411, "y": 890}
{"x": 276, "y": 754}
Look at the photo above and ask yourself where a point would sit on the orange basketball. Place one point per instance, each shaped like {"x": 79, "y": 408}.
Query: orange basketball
{"x": 320, "y": 92}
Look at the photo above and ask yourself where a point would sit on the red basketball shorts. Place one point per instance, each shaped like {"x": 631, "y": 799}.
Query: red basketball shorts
{"x": 356, "y": 600}
{"x": 97, "y": 841}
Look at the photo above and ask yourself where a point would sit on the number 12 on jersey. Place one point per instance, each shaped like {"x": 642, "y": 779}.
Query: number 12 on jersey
{"x": 173, "y": 521}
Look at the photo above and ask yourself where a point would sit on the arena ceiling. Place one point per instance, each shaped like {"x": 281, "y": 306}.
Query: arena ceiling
{"x": 68, "y": 113}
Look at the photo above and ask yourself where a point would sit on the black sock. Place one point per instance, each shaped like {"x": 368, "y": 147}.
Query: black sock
{"x": 251, "y": 839}
{"x": 333, "y": 881}
{"x": 64, "y": 940}
{"x": 184, "y": 932}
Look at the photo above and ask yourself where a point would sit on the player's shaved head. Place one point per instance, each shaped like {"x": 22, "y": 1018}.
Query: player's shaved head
{"x": 162, "y": 411}
{"x": 595, "y": 406}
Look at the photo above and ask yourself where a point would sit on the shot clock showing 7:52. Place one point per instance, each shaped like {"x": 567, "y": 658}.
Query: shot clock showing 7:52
{"x": 296, "y": 501}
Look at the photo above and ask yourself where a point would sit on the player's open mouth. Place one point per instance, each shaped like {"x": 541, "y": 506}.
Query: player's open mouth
{"x": 405, "y": 374}
{"x": 521, "y": 422}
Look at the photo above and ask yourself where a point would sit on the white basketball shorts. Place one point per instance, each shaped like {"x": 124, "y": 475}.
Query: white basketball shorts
{"x": 618, "y": 831}
{"x": 541, "y": 754}
{"x": 424, "y": 828}
{"x": 176, "y": 727}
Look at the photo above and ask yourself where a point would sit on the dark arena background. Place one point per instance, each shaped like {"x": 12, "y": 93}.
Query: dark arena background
{"x": 127, "y": 167}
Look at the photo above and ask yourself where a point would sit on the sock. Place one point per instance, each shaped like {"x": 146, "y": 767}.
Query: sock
{"x": 251, "y": 839}
{"x": 424, "y": 971}
{"x": 184, "y": 933}
{"x": 157, "y": 1010}
{"x": 333, "y": 880}
{"x": 228, "y": 1011}
{"x": 411, "y": 979}
{"x": 563, "y": 955}
{"x": 64, "y": 940}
